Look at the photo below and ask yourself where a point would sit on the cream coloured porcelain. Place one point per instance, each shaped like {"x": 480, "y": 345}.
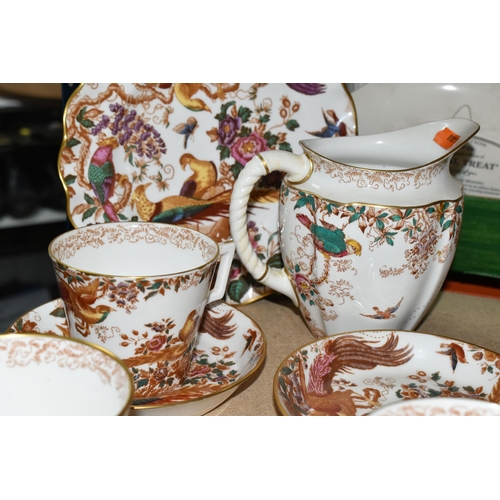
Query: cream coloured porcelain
{"x": 368, "y": 225}
{"x": 141, "y": 290}
{"x": 52, "y": 375}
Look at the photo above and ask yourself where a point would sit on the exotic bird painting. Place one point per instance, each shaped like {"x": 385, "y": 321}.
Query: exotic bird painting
{"x": 324, "y": 394}
{"x": 185, "y": 93}
{"x": 386, "y": 314}
{"x": 333, "y": 126}
{"x": 80, "y": 298}
{"x": 455, "y": 352}
{"x": 101, "y": 175}
{"x": 199, "y": 196}
{"x": 160, "y": 358}
{"x": 329, "y": 239}
{"x": 170, "y": 351}
{"x": 203, "y": 179}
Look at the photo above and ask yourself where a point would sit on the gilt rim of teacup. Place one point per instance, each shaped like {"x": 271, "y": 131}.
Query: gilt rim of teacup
{"x": 136, "y": 277}
{"x": 285, "y": 413}
{"x": 60, "y": 338}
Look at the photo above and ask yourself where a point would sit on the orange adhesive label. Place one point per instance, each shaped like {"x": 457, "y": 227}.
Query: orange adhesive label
{"x": 446, "y": 138}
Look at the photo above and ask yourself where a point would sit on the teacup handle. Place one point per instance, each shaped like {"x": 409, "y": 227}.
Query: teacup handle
{"x": 298, "y": 169}
{"x": 225, "y": 261}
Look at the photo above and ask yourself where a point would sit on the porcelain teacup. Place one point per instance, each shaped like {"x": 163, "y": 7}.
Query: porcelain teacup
{"x": 141, "y": 289}
{"x": 45, "y": 374}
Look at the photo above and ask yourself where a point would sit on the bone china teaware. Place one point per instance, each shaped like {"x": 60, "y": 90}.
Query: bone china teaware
{"x": 368, "y": 225}
{"x": 140, "y": 289}
{"x": 44, "y": 374}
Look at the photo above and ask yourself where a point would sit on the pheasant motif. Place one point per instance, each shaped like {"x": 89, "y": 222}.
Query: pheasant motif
{"x": 199, "y": 193}
{"x": 79, "y": 300}
{"x": 173, "y": 352}
{"x": 342, "y": 355}
{"x": 171, "y": 209}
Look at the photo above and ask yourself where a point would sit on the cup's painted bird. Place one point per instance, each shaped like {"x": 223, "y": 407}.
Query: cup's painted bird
{"x": 172, "y": 351}
{"x": 79, "y": 299}
{"x": 330, "y": 241}
{"x": 102, "y": 175}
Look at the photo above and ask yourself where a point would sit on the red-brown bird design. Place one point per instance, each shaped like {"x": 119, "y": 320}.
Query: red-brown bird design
{"x": 342, "y": 355}
{"x": 388, "y": 313}
{"x": 455, "y": 352}
{"x": 220, "y": 327}
{"x": 79, "y": 299}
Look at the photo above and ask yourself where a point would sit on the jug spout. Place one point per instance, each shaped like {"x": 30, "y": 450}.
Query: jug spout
{"x": 408, "y": 167}
{"x": 412, "y": 147}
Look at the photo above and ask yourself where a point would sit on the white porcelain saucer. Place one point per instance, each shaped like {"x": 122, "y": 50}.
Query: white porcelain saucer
{"x": 352, "y": 374}
{"x": 222, "y": 360}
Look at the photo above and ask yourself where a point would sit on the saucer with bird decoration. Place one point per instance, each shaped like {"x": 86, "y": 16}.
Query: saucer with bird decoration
{"x": 171, "y": 152}
{"x": 230, "y": 348}
{"x": 353, "y": 374}
{"x": 438, "y": 407}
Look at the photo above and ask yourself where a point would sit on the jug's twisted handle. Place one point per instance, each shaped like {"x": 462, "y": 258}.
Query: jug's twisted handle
{"x": 298, "y": 168}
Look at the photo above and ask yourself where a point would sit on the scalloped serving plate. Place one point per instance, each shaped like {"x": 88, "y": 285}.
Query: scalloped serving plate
{"x": 218, "y": 367}
{"x": 171, "y": 152}
{"x": 355, "y": 373}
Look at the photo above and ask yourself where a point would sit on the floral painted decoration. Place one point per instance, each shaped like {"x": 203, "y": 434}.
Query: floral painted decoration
{"x": 170, "y": 152}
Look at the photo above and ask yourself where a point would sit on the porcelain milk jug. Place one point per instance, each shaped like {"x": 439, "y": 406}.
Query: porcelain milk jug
{"x": 368, "y": 225}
